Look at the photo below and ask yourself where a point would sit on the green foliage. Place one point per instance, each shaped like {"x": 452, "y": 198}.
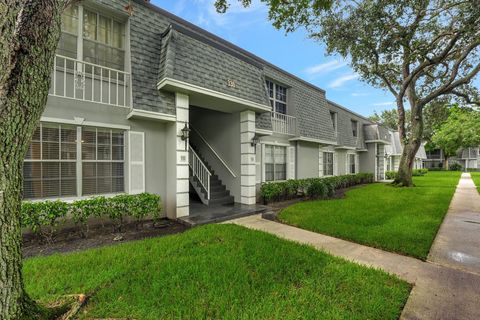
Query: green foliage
{"x": 47, "y": 215}
{"x": 404, "y": 220}
{"x": 392, "y": 175}
{"x": 460, "y": 130}
{"x": 312, "y": 187}
{"x": 137, "y": 280}
{"x": 43, "y": 217}
{"x": 455, "y": 167}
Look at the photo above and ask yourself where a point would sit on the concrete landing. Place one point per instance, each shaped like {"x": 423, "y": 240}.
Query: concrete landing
{"x": 457, "y": 244}
{"x": 203, "y": 214}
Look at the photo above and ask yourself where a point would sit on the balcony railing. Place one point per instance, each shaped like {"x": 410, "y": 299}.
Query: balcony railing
{"x": 284, "y": 124}
{"x": 86, "y": 81}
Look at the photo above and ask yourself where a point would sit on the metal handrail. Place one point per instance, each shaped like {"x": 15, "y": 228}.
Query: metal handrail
{"x": 200, "y": 170}
{"x": 213, "y": 151}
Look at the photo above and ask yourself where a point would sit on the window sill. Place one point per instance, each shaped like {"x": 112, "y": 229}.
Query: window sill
{"x": 73, "y": 199}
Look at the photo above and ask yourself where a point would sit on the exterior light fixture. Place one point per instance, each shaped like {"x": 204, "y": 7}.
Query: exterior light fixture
{"x": 185, "y": 134}
{"x": 255, "y": 141}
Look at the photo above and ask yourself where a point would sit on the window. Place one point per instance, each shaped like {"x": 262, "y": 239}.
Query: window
{"x": 53, "y": 167}
{"x": 69, "y": 37}
{"x": 102, "y": 38}
{"x": 328, "y": 163}
{"x": 333, "y": 118}
{"x": 351, "y": 163}
{"x": 49, "y": 169}
{"x": 278, "y": 97}
{"x": 354, "y": 128}
{"x": 102, "y": 161}
{"x": 275, "y": 163}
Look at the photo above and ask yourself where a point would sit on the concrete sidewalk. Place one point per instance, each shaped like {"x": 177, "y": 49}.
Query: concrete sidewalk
{"x": 457, "y": 244}
{"x": 444, "y": 288}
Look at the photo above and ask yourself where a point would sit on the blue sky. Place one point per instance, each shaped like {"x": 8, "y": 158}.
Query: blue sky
{"x": 250, "y": 29}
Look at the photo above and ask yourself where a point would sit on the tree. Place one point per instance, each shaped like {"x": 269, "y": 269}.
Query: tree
{"x": 30, "y": 31}
{"x": 460, "y": 130}
{"x": 389, "y": 118}
{"x": 434, "y": 115}
{"x": 418, "y": 50}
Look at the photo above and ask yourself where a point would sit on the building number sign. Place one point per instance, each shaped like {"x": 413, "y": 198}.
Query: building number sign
{"x": 231, "y": 83}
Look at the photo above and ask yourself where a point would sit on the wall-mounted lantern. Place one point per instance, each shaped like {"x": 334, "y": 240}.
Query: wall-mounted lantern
{"x": 185, "y": 134}
{"x": 255, "y": 141}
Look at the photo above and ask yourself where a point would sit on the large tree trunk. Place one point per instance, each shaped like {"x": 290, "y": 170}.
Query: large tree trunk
{"x": 411, "y": 143}
{"x": 30, "y": 31}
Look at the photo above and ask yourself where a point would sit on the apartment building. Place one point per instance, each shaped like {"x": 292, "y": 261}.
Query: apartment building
{"x": 149, "y": 102}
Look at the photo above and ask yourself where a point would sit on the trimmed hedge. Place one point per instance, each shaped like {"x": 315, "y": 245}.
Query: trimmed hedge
{"x": 391, "y": 175}
{"x": 314, "y": 188}
{"x": 455, "y": 167}
{"x": 44, "y": 217}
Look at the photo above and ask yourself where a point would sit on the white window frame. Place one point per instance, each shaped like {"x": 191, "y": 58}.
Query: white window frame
{"x": 356, "y": 128}
{"x": 79, "y": 161}
{"x": 81, "y": 38}
{"x": 274, "y": 100}
{"x": 334, "y": 119}
{"x": 325, "y": 163}
{"x": 264, "y": 163}
{"x": 349, "y": 163}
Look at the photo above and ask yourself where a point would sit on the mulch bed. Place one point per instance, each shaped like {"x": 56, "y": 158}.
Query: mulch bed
{"x": 69, "y": 239}
{"x": 276, "y": 207}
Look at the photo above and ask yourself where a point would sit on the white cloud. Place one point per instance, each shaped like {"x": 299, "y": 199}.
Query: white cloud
{"x": 384, "y": 104}
{"x": 360, "y": 94}
{"x": 341, "y": 80}
{"x": 325, "y": 67}
{"x": 207, "y": 14}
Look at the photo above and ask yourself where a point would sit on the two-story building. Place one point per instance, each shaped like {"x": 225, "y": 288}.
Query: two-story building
{"x": 149, "y": 102}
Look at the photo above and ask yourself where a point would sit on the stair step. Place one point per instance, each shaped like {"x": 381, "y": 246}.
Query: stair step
{"x": 224, "y": 200}
{"x": 219, "y": 194}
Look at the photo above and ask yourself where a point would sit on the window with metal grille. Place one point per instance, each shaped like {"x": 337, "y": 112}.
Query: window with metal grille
{"x": 49, "y": 169}
{"x": 328, "y": 163}
{"x": 278, "y": 97}
{"x": 66, "y": 160}
{"x": 275, "y": 163}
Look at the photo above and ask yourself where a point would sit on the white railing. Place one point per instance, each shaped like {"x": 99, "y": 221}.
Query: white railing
{"x": 199, "y": 170}
{"x": 212, "y": 150}
{"x": 86, "y": 81}
{"x": 284, "y": 124}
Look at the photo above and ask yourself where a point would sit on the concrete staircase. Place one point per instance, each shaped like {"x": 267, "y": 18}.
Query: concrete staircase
{"x": 219, "y": 195}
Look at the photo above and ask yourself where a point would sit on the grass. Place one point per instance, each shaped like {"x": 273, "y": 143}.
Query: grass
{"x": 217, "y": 272}
{"x": 402, "y": 220}
{"x": 476, "y": 179}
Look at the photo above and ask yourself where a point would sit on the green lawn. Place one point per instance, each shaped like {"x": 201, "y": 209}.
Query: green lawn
{"x": 217, "y": 272}
{"x": 403, "y": 220}
{"x": 476, "y": 179}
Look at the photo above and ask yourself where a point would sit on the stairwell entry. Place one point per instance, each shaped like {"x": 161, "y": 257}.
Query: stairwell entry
{"x": 206, "y": 183}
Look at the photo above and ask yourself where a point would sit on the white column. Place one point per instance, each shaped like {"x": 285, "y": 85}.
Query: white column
{"x": 182, "y": 187}
{"x": 248, "y": 173}
{"x": 177, "y": 202}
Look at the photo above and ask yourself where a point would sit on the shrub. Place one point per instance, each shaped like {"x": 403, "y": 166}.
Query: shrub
{"x": 46, "y": 215}
{"x": 311, "y": 187}
{"x": 455, "y": 167}
{"x": 391, "y": 175}
{"x": 43, "y": 217}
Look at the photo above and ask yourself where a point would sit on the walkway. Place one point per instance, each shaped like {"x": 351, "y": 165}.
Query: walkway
{"x": 445, "y": 287}
{"x": 458, "y": 241}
